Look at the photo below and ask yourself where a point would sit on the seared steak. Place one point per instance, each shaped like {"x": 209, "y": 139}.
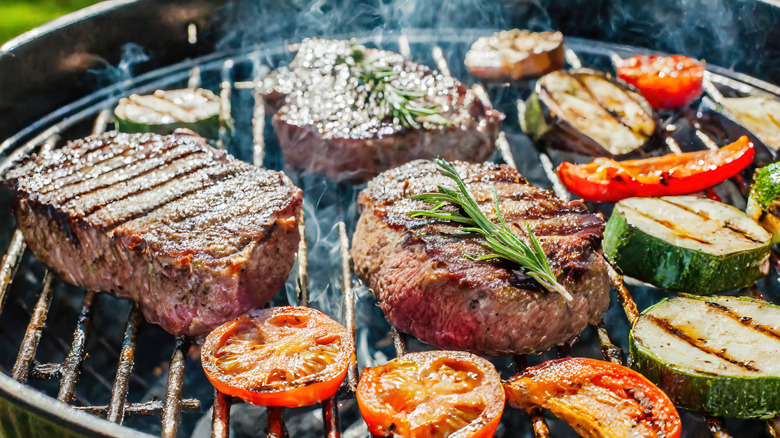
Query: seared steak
{"x": 426, "y": 286}
{"x": 332, "y": 119}
{"x": 193, "y": 235}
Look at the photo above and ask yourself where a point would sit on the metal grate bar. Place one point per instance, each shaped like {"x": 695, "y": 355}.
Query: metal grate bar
{"x": 547, "y": 164}
{"x": 220, "y": 415}
{"x": 540, "y": 428}
{"x": 506, "y": 151}
{"x": 482, "y": 94}
{"x": 624, "y": 296}
{"x": 116, "y": 408}
{"x": 349, "y": 300}
{"x": 258, "y": 127}
{"x": 194, "y": 80}
{"x": 225, "y": 90}
{"x": 302, "y": 282}
{"x": 673, "y": 146}
{"x": 101, "y": 122}
{"x": 172, "y": 408}
{"x": 11, "y": 261}
{"x": 610, "y": 351}
{"x": 72, "y": 365}
{"x": 276, "y": 428}
{"x": 399, "y": 342}
{"x": 441, "y": 61}
{"x": 192, "y": 33}
{"x": 32, "y": 336}
{"x": 330, "y": 417}
{"x": 403, "y": 47}
{"x": 153, "y": 407}
{"x": 572, "y": 59}
{"x": 21, "y": 152}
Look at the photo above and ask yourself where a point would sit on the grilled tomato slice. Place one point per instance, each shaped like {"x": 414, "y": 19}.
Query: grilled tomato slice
{"x": 667, "y": 82}
{"x": 597, "y": 398}
{"x": 281, "y": 356}
{"x": 432, "y": 394}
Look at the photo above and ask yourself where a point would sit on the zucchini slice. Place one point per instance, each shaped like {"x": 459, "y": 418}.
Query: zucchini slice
{"x": 166, "y": 111}
{"x": 584, "y": 111}
{"x": 764, "y": 201}
{"x": 686, "y": 244}
{"x": 718, "y": 355}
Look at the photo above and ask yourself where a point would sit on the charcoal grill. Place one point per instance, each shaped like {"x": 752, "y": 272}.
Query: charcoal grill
{"x": 46, "y": 363}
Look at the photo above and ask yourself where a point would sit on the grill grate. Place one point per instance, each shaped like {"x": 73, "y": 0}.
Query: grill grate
{"x": 170, "y": 409}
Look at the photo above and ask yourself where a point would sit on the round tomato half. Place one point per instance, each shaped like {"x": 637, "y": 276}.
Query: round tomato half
{"x": 432, "y": 394}
{"x": 667, "y": 82}
{"x": 282, "y": 356}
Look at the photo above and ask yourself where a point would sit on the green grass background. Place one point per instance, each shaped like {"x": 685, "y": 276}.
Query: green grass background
{"x": 17, "y": 17}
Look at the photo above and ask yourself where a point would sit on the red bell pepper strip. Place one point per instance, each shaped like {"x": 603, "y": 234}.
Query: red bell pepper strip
{"x": 606, "y": 180}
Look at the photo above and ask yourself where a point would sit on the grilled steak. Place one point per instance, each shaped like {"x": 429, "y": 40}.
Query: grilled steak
{"x": 335, "y": 114}
{"x": 193, "y": 235}
{"x": 426, "y": 286}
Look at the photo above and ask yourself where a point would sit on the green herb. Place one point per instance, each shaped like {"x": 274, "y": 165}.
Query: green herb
{"x": 766, "y": 185}
{"x": 404, "y": 105}
{"x": 500, "y": 238}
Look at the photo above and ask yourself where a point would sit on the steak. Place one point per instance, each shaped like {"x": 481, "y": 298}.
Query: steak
{"x": 332, "y": 119}
{"x": 426, "y": 286}
{"x": 193, "y": 235}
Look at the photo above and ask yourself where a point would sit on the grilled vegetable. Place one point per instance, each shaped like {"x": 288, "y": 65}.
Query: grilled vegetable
{"x": 284, "y": 356}
{"x": 764, "y": 201}
{"x": 432, "y": 394}
{"x": 586, "y": 112}
{"x": 165, "y": 111}
{"x": 760, "y": 115}
{"x": 667, "y": 82}
{"x": 516, "y": 54}
{"x": 606, "y": 180}
{"x": 685, "y": 243}
{"x": 597, "y": 398}
{"x": 717, "y": 355}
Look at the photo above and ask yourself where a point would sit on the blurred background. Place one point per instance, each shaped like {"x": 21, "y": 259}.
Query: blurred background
{"x": 20, "y": 16}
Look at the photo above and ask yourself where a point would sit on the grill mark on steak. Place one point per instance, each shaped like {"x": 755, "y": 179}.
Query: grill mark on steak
{"x": 195, "y": 242}
{"x": 221, "y": 211}
{"x": 72, "y": 175}
{"x": 127, "y": 177}
{"x": 178, "y": 175}
{"x": 150, "y": 209}
{"x": 427, "y": 286}
{"x": 66, "y": 154}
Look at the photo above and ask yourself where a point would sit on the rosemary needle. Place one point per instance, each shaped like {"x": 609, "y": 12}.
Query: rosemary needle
{"x": 405, "y": 105}
{"x": 499, "y": 237}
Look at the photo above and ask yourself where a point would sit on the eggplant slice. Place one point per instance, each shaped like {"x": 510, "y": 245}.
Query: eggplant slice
{"x": 585, "y": 111}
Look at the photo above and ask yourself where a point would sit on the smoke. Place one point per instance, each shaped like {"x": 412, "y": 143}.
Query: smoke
{"x": 132, "y": 55}
{"x": 738, "y": 34}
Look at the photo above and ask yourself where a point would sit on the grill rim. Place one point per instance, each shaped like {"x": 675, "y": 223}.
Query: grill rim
{"x": 48, "y": 408}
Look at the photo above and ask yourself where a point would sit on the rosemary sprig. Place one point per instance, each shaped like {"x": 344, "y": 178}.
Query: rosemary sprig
{"x": 500, "y": 238}
{"x": 404, "y": 105}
